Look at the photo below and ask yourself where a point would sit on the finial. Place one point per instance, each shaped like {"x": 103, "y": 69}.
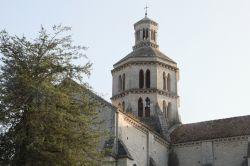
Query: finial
{"x": 146, "y": 10}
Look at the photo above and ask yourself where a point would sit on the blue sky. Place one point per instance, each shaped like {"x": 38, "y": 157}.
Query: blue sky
{"x": 209, "y": 39}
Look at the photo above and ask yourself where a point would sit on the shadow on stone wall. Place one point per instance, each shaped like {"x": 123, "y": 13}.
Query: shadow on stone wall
{"x": 173, "y": 159}
{"x": 244, "y": 163}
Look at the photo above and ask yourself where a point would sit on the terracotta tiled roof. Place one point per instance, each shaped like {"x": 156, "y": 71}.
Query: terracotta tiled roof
{"x": 222, "y": 128}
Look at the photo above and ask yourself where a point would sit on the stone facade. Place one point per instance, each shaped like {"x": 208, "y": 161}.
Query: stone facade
{"x": 143, "y": 119}
{"x": 141, "y": 142}
{"x": 219, "y": 152}
{"x": 146, "y": 74}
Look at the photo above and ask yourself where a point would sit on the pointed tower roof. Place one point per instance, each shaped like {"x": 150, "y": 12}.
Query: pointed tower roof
{"x": 146, "y": 20}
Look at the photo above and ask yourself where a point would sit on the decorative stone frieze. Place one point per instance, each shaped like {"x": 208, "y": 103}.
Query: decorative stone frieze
{"x": 143, "y": 44}
{"x": 136, "y": 124}
{"x": 145, "y": 91}
{"x": 160, "y": 140}
{"x": 122, "y": 67}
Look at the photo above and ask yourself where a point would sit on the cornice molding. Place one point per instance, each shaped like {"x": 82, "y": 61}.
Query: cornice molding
{"x": 160, "y": 140}
{"x": 217, "y": 140}
{"x": 144, "y": 63}
{"x": 136, "y": 124}
{"x": 145, "y": 91}
{"x": 145, "y": 43}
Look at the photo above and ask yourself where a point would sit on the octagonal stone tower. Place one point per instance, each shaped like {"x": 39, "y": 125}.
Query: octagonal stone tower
{"x": 145, "y": 80}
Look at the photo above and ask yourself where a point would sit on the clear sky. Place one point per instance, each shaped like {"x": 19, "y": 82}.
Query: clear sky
{"x": 209, "y": 39}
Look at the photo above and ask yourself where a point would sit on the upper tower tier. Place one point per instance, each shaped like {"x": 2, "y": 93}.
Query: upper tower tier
{"x": 146, "y": 46}
{"x": 145, "y": 33}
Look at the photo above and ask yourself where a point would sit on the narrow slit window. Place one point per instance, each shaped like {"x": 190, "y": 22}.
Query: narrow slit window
{"x": 169, "y": 110}
{"x": 119, "y": 83}
{"x": 168, "y": 83}
{"x": 147, "y": 34}
{"x": 141, "y": 79}
{"x": 147, "y": 79}
{"x": 164, "y": 108}
{"x": 164, "y": 81}
{"x": 123, "y": 82}
{"x": 140, "y": 107}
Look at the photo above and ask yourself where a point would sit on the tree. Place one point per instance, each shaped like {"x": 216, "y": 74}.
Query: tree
{"x": 47, "y": 117}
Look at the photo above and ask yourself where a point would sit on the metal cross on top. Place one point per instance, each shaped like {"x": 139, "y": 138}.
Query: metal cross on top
{"x": 146, "y": 10}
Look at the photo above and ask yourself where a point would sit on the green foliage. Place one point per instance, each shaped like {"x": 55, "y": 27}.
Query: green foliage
{"x": 49, "y": 119}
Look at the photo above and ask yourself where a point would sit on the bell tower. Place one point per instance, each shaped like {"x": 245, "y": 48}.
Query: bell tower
{"x": 145, "y": 81}
{"x": 146, "y": 32}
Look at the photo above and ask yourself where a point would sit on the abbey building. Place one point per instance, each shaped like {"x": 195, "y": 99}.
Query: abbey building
{"x": 144, "y": 122}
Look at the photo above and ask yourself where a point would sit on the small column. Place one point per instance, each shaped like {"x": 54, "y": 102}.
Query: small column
{"x": 149, "y": 34}
{"x": 155, "y": 36}
{"x": 136, "y": 39}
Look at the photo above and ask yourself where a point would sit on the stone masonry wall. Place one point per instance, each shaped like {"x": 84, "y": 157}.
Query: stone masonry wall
{"x": 132, "y": 82}
{"x": 189, "y": 155}
{"x": 219, "y": 152}
{"x": 106, "y": 115}
{"x": 141, "y": 142}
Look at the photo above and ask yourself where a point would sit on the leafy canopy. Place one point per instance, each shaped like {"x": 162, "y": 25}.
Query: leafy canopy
{"x": 47, "y": 117}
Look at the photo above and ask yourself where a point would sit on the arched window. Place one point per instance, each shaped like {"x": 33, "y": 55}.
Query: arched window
{"x": 168, "y": 83}
{"x": 147, "y": 108}
{"x": 169, "y": 110}
{"x": 123, "y": 82}
{"x": 141, "y": 79}
{"x": 164, "y": 81}
{"x": 120, "y": 83}
{"x": 147, "y": 79}
{"x": 164, "y": 108}
{"x": 123, "y": 106}
{"x": 140, "y": 107}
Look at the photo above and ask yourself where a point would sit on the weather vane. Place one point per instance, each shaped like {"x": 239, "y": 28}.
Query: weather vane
{"x": 146, "y": 10}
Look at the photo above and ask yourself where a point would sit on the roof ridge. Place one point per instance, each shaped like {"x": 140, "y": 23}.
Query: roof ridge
{"x": 216, "y": 120}
{"x": 214, "y": 129}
